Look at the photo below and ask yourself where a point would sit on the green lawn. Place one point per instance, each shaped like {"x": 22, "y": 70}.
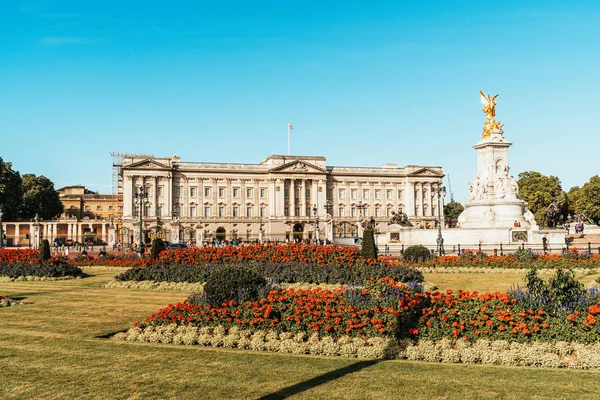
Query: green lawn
{"x": 52, "y": 348}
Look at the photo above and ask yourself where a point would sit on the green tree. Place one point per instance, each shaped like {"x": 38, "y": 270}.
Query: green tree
{"x": 11, "y": 192}
{"x": 45, "y": 250}
{"x": 451, "y": 212}
{"x": 587, "y": 199}
{"x": 40, "y": 197}
{"x": 538, "y": 191}
{"x": 368, "y": 249}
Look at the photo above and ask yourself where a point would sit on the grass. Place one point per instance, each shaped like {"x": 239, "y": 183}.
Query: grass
{"x": 52, "y": 347}
{"x": 489, "y": 282}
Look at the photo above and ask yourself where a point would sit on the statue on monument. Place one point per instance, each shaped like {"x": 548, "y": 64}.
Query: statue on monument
{"x": 489, "y": 108}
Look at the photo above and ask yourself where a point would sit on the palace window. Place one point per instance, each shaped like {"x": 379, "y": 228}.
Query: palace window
{"x": 159, "y": 211}
{"x": 177, "y": 192}
{"x": 159, "y": 191}
{"x": 221, "y": 192}
{"x": 377, "y": 211}
{"x": 389, "y": 212}
{"x": 366, "y": 194}
{"x": 353, "y": 194}
{"x": 87, "y": 208}
{"x": 341, "y": 194}
{"x": 286, "y": 211}
{"x": 263, "y": 211}
{"x": 236, "y": 211}
{"x": 400, "y": 194}
{"x": 146, "y": 211}
{"x": 249, "y": 193}
{"x": 236, "y": 192}
{"x": 221, "y": 211}
{"x": 341, "y": 211}
{"x": 207, "y": 211}
{"x": 377, "y": 194}
{"x": 206, "y": 192}
{"x": 192, "y": 192}
{"x": 354, "y": 211}
{"x": 388, "y": 194}
{"x": 248, "y": 211}
{"x": 308, "y": 211}
{"x": 307, "y": 193}
{"x": 110, "y": 208}
{"x": 286, "y": 193}
{"x": 98, "y": 208}
{"x": 263, "y": 193}
{"x": 193, "y": 211}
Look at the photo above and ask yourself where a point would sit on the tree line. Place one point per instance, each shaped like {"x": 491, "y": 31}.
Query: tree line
{"x": 24, "y": 196}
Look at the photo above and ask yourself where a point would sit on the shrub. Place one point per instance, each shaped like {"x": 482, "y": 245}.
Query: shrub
{"x": 157, "y": 247}
{"x": 42, "y": 269}
{"x": 289, "y": 272}
{"x": 416, "y": 254}
{"x": 45, "y": 250}
{"x": 368, "y": 250}
{"x": 233, "y": 282}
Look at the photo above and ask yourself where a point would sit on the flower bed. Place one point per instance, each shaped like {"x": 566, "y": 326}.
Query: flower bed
{"x": 6, "y": 302}
{"x": 48, "y": 269}
{"x": 438, "y": 326}
{"x": 289, "y": 272}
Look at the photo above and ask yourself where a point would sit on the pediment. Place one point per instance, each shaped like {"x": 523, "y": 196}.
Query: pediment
{"x": 148, "y": 164}
{"x": 426, "y": 172}
{"x": 299, "y": 167}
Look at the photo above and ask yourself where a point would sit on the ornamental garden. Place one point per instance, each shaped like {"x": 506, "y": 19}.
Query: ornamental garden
{"x": 348, "y": 302}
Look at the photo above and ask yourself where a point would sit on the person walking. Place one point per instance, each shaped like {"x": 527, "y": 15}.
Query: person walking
{"x": 545, "y": 244}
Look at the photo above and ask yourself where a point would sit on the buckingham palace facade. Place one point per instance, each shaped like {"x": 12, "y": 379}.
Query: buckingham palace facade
{"x": 282, "y": 197}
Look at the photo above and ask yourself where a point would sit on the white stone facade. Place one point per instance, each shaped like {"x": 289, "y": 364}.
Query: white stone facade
{"x": 199, "y": 202}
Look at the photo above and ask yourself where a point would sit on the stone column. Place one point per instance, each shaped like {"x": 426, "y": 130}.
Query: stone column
{"x": 280, "y": 206}
{"x": 314, "y": 196}
{"x": 228, "y": 199}
{"x": 215, "y": 194}
{"x": 292, "y": 197}
{"x": 17, "y": 233}
{"x": 169, "y": 196}
{"x": 80, "y": 232}
{"x": 409, "y": 195}
{"x": 243, "y": 199}
{"x": 303, "y": 198}
{"x": 104, "y": 232}
{"x": 272, "y": 199}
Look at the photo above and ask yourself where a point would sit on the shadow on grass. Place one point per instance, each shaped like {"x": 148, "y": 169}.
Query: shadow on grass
{"x": 111, "y": 334}
{"x": 319, "y": 380}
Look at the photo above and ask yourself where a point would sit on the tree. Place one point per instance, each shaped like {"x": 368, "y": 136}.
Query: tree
{"x": 40, "y": 197}
{"x": 45, "y": 250}
{"x": 538, "y": 191}
{"x": 587, "y": 199}
{"x": 368, "y": 249}
{"x": 451, "y": 212}
{"x": 11, "y": 193}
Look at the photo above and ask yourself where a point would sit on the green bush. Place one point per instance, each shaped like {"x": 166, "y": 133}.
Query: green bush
{"x": 233, "y": 282}
{"x": 416, "y": 254}
{"x": 45, "y": 250}
{"x": 43, "y": 269}
{"x": 368, "y": 249}
{"x": 561, "y": 292}
{"x": 157, "y": 247}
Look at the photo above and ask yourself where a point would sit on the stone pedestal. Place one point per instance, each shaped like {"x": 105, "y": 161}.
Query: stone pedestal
{"x": 494, "y": 200}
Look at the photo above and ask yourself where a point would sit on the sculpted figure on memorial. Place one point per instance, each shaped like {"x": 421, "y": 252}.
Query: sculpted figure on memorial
{"x": 477, "y": 189}
{"x": 489, "y": 108}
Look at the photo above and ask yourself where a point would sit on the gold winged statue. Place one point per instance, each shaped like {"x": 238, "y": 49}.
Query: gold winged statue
{"x": 489, "y": 108}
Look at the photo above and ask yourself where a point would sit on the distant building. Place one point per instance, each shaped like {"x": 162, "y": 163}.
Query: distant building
{"x": 85, "y": 204}
{"x": 275, "y": 199}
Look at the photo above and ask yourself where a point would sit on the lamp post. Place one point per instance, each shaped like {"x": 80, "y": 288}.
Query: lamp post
{"x": 441, "y": 193}
{"x": 37, "y": 224}
{"x": 1, "y": 230}
{"x": 316, "y": 235}
{"x": 329, "y": 220}
{"x": 141, "y": 199}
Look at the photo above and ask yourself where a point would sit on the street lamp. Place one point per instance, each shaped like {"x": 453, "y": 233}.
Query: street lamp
{"x": 316, "y": 224}
{"x": 441, "y": 193}
{"x": 141, "y": 199}
{"x": 1, "y": 230}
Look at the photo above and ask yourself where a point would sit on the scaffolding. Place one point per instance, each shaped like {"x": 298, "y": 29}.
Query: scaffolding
{"x": 117, "y": 164}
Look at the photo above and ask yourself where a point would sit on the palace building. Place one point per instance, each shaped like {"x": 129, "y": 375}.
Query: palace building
{"x": 282, "y": 197}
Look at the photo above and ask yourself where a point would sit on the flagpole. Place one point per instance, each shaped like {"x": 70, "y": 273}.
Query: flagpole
{"x": 289, "y": 139}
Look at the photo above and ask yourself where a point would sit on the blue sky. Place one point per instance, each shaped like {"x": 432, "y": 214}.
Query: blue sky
{"x": 363, "y": 82}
